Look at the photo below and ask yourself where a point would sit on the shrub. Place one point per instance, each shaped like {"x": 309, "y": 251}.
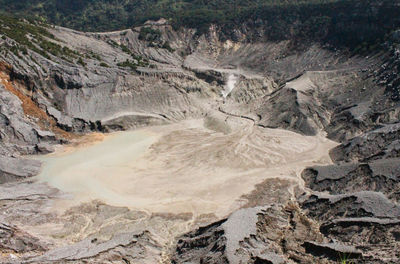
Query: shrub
{"x": 81, "y": 62}
{"x": 149, "y": 34}
{"x": 128, "y": 64}
{"x": 167, "y": 46}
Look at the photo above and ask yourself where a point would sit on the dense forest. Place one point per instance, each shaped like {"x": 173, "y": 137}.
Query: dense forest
{"x": 113, "y": 14}
{"x": 351, "y": 23}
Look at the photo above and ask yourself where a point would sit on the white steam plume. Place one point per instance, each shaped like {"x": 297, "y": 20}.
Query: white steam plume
{"x": 230, "y": 85}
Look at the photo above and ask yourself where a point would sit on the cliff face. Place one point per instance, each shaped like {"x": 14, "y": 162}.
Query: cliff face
{"x": 68, "y": 83}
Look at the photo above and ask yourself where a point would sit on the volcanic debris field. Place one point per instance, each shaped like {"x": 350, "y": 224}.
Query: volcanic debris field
{"x": 119, "y": 148}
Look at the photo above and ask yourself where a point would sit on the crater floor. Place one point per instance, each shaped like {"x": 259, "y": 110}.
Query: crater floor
{"x": 181, "y": 168}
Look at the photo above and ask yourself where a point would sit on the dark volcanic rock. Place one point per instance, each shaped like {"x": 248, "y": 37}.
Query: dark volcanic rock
{"x": 377, "y": 238}
{"x": 377, "y": 144}
{"x": 286, "y": 110}
{"x": 332, "y": 251}
{"x": 270, "y": 234}
{"x": 362, "y": 204}
{"x": 379, "y": 175}
{"x": 362, "y": 208}
{"x": 16, "y": 241}
{"x": 367, "y": 221}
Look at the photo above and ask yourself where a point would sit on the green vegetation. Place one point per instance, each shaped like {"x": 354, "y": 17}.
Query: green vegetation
{"x": 149, "y": 34}
{"x": 81, "y": 62}
{"x": 350, "y": 23}
{"x": 137, "y": 61}
{"x": 34, "y": 36}
{"x": 125, "y": 49}
{"x": 345, "y": 259}
{"x": 93, "y": 55}
{"x": 140, "y": 61}
{"x": 153, "y": 37}
{"x": 113, "y": 43}
{"x": 128, "y": 64}
{"x": 103, "y": 64}
{"x": 167, "y": 46}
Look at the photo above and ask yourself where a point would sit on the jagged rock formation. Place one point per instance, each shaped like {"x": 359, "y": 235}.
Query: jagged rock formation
{"x": 116, "y": 81}
{"x": 362, "y": 207}
{"x": 268, "y": 234}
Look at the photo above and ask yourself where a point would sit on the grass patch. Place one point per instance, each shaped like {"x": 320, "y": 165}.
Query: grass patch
{"x": 128, "y": 64}
{"x": 81, "y": 62}
{"x": 32, "y": 36}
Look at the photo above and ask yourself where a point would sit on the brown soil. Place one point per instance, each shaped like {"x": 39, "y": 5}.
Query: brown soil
{"x": 31, "y": 110}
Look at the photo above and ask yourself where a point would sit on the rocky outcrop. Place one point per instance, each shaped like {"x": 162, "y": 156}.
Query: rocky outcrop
{"x": 367, "y": 221}
{"x": 122, "y": 248}
{"x": 270, "y": 234}
{"x": 361, "y": 208}
{"x": 381, "y": 143}
{"x": 360, "y": 204}
{"x": 13, "y": 169}
{"x": 17, "y": 133}
{"x": 16, "y": 241}
{"x": 289, "y": 109}
{"x": 380, "y": 176}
